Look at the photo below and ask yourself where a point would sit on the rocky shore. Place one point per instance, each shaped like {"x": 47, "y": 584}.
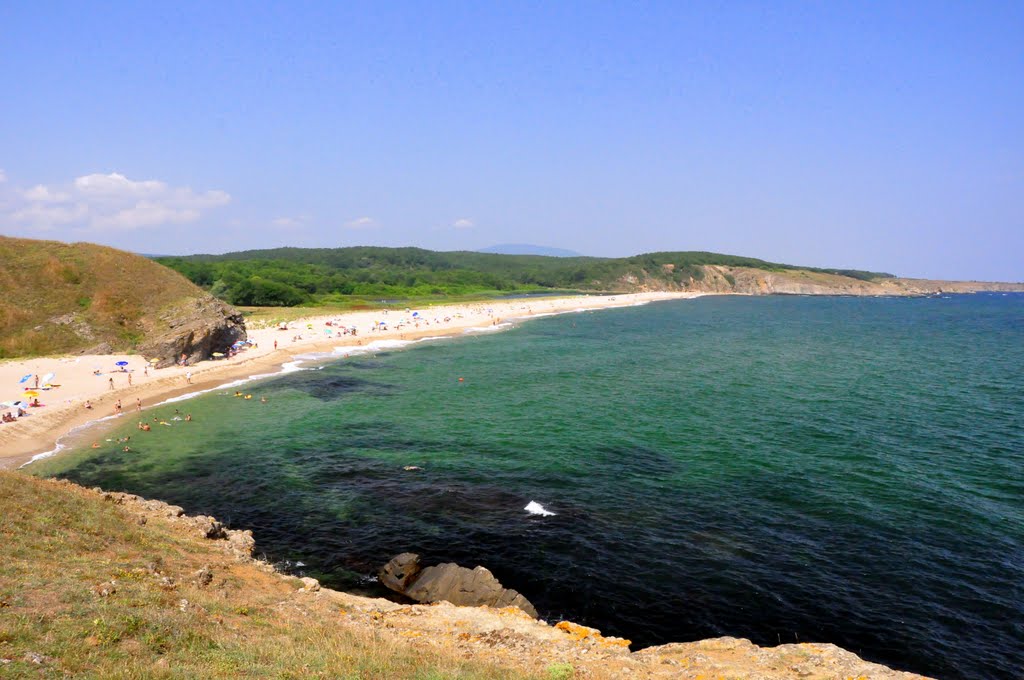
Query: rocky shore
{"x": 507, "y": 634}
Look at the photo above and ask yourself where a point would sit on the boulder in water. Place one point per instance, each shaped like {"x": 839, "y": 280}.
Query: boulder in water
{"x": 397, "y": 573}
{"x": 451, "y": 583}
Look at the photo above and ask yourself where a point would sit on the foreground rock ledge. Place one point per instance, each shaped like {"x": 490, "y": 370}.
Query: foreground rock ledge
{"x": 449, "y": 582}
{"x": 509, "y": 635}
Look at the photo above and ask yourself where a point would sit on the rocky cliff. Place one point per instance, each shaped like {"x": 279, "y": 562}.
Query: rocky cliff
{"x": 751, "y": 281}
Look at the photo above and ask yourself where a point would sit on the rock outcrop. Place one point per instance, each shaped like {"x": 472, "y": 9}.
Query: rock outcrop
{"x": 196, "y": 329}
{"x": 449, "y": 583}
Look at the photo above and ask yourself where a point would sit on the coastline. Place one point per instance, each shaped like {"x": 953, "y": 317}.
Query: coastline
{"x": 42, "y": 431}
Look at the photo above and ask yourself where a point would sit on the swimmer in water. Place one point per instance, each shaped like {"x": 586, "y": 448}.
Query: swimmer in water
{"x": 238, "y": 394}
{"x": 188, "y": 417}
{"x": 263, "y": 400}
{"x": 95, "y": 445}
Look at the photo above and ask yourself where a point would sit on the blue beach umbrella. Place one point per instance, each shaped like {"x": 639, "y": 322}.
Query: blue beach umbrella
{"x": 121, "y": 363}
{"x": 25, "y": 378}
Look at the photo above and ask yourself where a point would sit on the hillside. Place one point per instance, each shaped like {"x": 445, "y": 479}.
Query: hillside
{"x": 102, "y": 585}
{"x": 62, "y": 298}
{"x": 293, "y": 276}
{"x": 290, "y": 276}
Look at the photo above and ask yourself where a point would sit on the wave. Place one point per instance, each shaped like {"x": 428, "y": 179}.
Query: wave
{"x": 535, "y": 508}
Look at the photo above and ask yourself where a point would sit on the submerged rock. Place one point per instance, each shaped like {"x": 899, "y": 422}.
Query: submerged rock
{"x": 449, "y": 582}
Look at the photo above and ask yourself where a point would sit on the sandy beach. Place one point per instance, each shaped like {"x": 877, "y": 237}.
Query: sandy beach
{"x": 98, "y": 380}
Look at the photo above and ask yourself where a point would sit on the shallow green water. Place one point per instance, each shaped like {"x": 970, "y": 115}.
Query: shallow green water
{"x": 829, "y": 469}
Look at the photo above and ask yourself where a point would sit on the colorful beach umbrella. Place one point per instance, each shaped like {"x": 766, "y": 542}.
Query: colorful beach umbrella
{"x": 25, "y": 378}
{"x": 121, "y": 363}
{"x": 48, "y": 377}
{"x": 31, "y": 393}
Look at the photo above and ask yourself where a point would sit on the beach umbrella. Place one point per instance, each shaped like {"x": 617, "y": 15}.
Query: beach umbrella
{"x": 121, "y": 363}
{"x": 154, "y": 361}
{"x": 48, "y": 377}
{"x": 31, "y": 393}
{"x": 218, "y": 354}
{"x": 25, "y": 378}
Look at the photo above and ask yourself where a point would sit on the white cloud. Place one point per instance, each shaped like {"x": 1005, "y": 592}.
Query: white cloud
{"x": 43, "y": 194}
{"x": 291, "y": 221}
{"x": 463, "y": 223}
{"x": 361, "y": 223}
{"x": 101, "y": 202}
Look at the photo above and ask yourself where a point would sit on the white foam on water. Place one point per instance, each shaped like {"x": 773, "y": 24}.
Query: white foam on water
{"x": 60, "y": 445}
{"x": 488, "y": 329}
{"x": 535, "y": 508}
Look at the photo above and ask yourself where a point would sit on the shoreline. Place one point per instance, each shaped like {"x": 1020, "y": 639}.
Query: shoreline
{"x": 42, "y": 431}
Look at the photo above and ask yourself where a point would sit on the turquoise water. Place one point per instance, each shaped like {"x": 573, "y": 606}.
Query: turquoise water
{"x": 784, "y": 469}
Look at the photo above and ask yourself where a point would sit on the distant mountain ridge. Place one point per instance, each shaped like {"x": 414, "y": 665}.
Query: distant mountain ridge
{"x": 528, "y": 249}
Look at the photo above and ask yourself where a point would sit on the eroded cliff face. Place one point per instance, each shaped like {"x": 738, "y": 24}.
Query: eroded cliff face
{"x": 748, "y": 281}
{"x": 194, "y": 328}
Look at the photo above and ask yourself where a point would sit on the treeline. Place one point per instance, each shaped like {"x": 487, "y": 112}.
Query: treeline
{"x": 294, "y": 276}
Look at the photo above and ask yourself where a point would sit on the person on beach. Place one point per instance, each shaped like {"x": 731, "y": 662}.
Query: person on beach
{"x": 138, "y": 404}
{"x": 145, "y": 370}
{"x": 37, "y": 382}
{"x": 117, "y": 406}
{"x": 188, "y": 377}
{"x": 88, "y": 404}
{"x": 111, "y": 383}
{"x": 129, "y": 380}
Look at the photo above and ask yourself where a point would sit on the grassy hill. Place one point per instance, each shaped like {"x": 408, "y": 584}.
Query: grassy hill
{"x": 60, "y": 297}
{"x": 292, "y": 276}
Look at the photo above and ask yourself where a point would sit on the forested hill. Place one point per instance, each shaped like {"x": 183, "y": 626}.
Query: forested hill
{"x": 291, "y": 276}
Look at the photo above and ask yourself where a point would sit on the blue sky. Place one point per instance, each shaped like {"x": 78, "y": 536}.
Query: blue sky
{"x": 886, "y": 136}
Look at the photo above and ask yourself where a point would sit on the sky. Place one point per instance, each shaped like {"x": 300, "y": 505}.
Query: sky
{"x": 884, "y": 136}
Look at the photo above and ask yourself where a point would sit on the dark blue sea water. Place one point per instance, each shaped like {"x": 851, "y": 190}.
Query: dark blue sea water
{"x": 784, "y": 469}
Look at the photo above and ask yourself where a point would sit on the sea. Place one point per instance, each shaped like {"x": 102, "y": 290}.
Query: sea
{"x": 784, "y": 469}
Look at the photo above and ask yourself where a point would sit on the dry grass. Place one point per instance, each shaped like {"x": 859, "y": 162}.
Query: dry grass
{"x": 61, "y": 547}
{"x": 58, "y": 297}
